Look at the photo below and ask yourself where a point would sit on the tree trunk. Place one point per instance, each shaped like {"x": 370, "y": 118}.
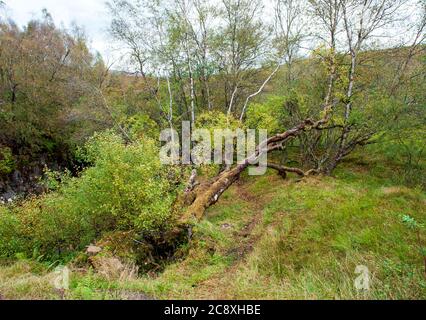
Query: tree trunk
{"x": 207, "y": 194}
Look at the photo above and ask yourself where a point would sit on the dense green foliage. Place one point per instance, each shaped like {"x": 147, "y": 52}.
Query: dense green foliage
{"x": 306, "y": 240}
{"x": 48, "y": 83}
{"x": 7, "y": 162}
{"x": 88, "y": 137}
{"x": 269, "y": 114}
{"x": 126, "y": 189}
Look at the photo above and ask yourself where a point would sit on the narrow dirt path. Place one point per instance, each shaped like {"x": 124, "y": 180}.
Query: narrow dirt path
{"x": 246, "y": 236}
{"x": 245, "y": 239}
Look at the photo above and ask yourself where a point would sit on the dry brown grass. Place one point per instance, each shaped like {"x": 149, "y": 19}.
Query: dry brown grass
{"x": 111, "y": 268}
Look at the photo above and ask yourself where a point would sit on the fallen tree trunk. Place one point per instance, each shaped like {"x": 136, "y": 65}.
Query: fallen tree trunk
{"x": 198, "y": 197}
{"x": 207, "y": 194}
{"x": 282, "y": 170}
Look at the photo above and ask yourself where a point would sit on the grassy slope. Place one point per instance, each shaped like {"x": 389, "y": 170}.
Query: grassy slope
{"x": 274, "y": 239}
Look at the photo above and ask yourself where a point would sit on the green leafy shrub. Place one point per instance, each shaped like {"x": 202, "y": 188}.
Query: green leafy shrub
{"x": 266, "y": 115}
{"x": 211, "y": 121}
{"x": 54, "y": 180}
{"x": 140, "y": 126}
{"x": 126, "y": 189}
{"x": 7, "y": 162}
{"x": 9, "y": 225}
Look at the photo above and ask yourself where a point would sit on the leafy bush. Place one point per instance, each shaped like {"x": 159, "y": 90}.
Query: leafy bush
{"x": 7, "y": 162}
{"x": 140, "y": 126}
{"x": 211, "y": 121}
{"x": 266, "y": 115}
{"x": 403, "y": 153}
{"x": 126, "y": 189}
{"x": 9, "y": 242}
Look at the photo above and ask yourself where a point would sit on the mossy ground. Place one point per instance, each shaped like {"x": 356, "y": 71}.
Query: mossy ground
{"x": 273, "y": 239}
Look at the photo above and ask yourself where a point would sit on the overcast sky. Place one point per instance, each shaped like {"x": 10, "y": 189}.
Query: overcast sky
{"x": 90, "y": 14}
